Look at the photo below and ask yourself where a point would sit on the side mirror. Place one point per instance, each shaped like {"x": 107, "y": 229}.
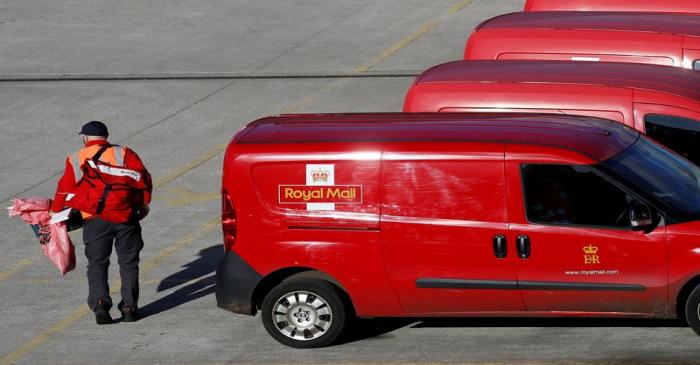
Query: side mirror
{"x": 640, "y": 217}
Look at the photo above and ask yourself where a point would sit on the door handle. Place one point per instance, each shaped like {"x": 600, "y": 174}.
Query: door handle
{"x": 500, "y": 247}
{"x": 523, "y": 246}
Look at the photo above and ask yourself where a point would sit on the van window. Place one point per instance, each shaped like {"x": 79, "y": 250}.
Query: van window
{"x": 696, "y": 65}
{"x": 677, "y": 133}
{"x": 573, "y": 195}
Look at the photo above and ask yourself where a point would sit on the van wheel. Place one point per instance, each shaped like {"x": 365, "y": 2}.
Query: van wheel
{"x": 304, "y": 313}
{"x": 692, "y": 310}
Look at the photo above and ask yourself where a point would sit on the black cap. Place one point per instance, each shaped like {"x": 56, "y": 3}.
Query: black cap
{"x": 94, "y": 128}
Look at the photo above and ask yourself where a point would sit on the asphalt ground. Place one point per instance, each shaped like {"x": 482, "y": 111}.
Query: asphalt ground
{"x": 175, "y": 80}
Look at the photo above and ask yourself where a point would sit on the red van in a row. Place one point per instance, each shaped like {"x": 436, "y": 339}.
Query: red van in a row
{"x": 663, "y": 39}
{"x": 663, "y": 102}
{"x": 326, "y": 217}
{"x": 659, "y": 6}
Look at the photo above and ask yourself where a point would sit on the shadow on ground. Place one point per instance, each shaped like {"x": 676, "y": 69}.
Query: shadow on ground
{"x": 198, "y": 277}
{"x": 548, "y": 322}
{"x": 381, "y": 328}
{"x": 199, "y": 280}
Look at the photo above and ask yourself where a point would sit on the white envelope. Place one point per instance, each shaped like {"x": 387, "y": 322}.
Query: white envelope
{"x": 60, "y": 216}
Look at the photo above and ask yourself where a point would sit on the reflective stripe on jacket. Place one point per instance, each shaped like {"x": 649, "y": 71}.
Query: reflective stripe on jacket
{"x": 113, "y": 156}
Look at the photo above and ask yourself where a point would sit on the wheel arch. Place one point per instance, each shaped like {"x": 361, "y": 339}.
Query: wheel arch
{"x": 277, "y": 277}
{"x": 683, "y": 295}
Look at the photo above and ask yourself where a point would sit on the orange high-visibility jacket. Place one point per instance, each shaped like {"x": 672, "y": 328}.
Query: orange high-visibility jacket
{"x": 117, "y": 156}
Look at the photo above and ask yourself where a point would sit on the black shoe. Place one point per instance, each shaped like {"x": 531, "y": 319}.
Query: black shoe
{"x": 129, "y": 314}
{"x": 102, "y": 316}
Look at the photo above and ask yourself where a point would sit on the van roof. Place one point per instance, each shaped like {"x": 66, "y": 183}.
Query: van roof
{"x": 665, "y": 6}
{"x": 682, "y": 24}
{"x": 597, "y": 138}
{"x": 671, "y": 80}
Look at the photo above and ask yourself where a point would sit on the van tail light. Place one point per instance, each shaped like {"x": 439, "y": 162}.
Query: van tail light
{"x": 228, "y": 221}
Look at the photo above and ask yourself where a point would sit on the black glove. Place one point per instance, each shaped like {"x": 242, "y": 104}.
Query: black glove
{"x": 142, "y": 211}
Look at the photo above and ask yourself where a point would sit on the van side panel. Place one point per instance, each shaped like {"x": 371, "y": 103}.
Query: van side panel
{"x": 313, "y": 210}
{"x": 572, "y": 45}
{"x": 441, "y": 209}
{"x": 596, "y": 101}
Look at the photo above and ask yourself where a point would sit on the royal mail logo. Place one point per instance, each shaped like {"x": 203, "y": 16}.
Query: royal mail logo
{"x": 331, "y": 194}
{"x": 590, "y": 255}
{"x": 319, "y": 175}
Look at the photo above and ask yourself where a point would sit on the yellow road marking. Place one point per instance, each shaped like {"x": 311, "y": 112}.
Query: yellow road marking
{"x": 296, "y": 107}
{"x": 44, "y": 336}
{"x": 36, "y": 281}
{"x": 424, "y": 29}
{"x": 15, "y": 268}
{"x": 178, "y": 197}
{"x": 206, "y": 156}
{"x": 83, "y": 310}
{"x": 427, "y": 27}
{"x": 459, "y": 6}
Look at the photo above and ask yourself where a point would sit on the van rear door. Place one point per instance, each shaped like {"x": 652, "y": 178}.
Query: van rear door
{"x": 676, "y": 128}
{"x": 443, "y": 226}
{"x": 691, "y": 59}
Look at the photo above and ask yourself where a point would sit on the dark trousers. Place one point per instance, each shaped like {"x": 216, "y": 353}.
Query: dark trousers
{"x": 99, "y": 236}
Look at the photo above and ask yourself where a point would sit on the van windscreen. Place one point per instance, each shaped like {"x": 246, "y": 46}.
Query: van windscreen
{"x": 660, "y": 175}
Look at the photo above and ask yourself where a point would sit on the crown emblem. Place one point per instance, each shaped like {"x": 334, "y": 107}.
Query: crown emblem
{"x": 590, "y": 250}
{"x": 319, "y": 175}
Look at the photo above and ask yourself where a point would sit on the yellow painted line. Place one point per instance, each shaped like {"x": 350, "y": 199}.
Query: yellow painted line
{"x": 83, "y": 310}
{"x": 15, "y": 268}
{"x": 459, "y": 6}
{"x": 206, "y": 156}
{"x": 426, "y": 28}
{"x": 179, "y": 282}
{"x": 296, "y": 107}
{"x": 36, "y": 281}
{"x": 44, "y": 336}
{"x": 178, "y": 197}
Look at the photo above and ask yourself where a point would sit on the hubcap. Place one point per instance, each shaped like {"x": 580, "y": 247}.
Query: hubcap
{"x": 302, "y": 315}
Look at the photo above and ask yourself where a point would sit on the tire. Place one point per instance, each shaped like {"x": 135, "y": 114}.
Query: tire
{"x": 305, "y": 313}
{"x": 692, "y": 310}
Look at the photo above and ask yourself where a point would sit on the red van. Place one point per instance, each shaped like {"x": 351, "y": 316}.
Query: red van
{"x": 659, "y": 6}
{"x": 327, "y": 217}
{"x": 663, "y": 39}
{"x": 663, "y": 102}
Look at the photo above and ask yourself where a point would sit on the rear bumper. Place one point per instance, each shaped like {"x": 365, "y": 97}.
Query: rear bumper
{"x": 235, "y": 283}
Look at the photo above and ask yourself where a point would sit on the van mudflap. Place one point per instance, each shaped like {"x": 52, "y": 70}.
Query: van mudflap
{"x": 235, "y": 283}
